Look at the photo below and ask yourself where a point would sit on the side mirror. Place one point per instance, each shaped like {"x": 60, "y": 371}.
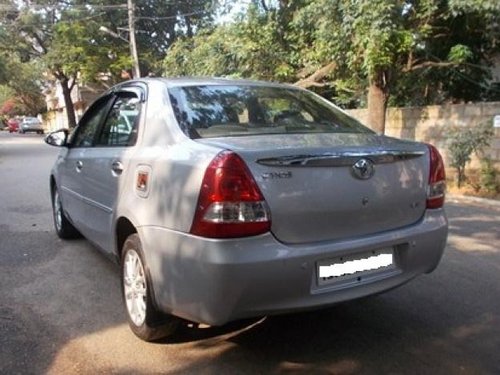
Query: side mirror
{"x": 58, "y": 138}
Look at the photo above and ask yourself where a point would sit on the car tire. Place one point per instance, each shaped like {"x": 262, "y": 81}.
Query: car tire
{"x": 63, "y": 226}
{"x": 145, "y": 320}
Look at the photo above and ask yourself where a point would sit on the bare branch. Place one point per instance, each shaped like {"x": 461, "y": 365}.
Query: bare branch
{"x": 441, "y": 64}
{"x": 441, "y": 35}
{"x": 104, "y": 84}
{"x": 73, "y": 83}
{"x": 315, "y": 78}
{"x": 429, "y": 64}
{"x": 40, "y": 42}
{"x": 59, "y": 74}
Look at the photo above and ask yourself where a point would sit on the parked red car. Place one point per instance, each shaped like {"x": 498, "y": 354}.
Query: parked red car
{"x": 13, "y": 125}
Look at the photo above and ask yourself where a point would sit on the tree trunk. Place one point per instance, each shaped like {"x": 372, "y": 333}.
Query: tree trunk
{"x": 460, "y": 176}
{"x": 70, "y": 109}
{"x": 189, "y": 28}
{"x": 377, "y": 105}
{"x": 378, "y": 96}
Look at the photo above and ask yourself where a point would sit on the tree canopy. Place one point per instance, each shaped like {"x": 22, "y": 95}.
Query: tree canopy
{"x": 357, "y": 53}
{"x": 66, "y": 37}
{"x": 367, "y": 52}
{"x": 20, "y": 85}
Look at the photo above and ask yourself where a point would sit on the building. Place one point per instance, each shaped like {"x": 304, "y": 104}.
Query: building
{"x": 81, "y": 95}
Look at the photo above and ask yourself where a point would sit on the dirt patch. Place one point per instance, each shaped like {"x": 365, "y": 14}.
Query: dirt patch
{"x": 471, "y": 191}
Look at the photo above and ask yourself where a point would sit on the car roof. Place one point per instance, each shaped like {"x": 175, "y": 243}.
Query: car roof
{"x": 171, "y": 82}
{"x": 204, "y": 81}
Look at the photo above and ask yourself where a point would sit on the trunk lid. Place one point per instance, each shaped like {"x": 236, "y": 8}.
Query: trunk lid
{"x": 315, "y": 194}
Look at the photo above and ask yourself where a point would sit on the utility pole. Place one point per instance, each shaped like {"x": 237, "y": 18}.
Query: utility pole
{"x": 132, "y": 42}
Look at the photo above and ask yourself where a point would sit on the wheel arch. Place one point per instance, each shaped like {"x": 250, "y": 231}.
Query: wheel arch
{"x": 52, "y": 183}
{"x": 124, "y": 228}
{"x": 53, "y": 186}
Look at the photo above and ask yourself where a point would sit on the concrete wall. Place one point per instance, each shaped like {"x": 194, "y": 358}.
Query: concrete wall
{"x": 431, "y": 124}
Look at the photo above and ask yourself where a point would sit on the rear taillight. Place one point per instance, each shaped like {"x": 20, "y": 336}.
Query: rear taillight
{"x": 230, "y": 202}
{"x": 437, "y": 180}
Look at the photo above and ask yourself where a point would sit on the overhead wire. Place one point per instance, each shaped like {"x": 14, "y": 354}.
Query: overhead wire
{"x": 4, "y": 7}
{"x": 173, "y": 16}
{"x": 13, "y": 7}
{"x": 84, "y": 18}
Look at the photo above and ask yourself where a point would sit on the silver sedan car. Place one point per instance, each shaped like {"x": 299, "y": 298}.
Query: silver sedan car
{"x": 227, "y": 199}
{"x": 31, "y": 124}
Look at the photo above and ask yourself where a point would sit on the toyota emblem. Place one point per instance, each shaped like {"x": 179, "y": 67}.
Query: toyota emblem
{"x": 363, "y": 169}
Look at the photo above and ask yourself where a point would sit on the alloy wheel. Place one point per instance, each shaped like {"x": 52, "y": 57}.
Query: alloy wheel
{"x": 134, "y": 283}
{"x": 57, "y": 211}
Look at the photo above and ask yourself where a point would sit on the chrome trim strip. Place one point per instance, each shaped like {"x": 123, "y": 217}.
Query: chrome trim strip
{"x": 339, "y": 159}
{"x": 88, "y": 201}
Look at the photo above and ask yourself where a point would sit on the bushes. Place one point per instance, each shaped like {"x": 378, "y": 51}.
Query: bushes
{"x": 462, "y": 142}
{"x": 488, "y": 177}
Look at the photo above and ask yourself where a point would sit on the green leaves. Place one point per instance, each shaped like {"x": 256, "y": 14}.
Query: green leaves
{"x": 415, "y": 52}
{"x": 465, "y": 6}
{"x": 22, "y": 84}
{"x": 460, "y": 54}
{"x": 249, "y": 49}
{"x": 410, "y": 52}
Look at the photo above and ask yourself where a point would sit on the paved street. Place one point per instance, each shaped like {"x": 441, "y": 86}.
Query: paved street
{"x": 61, "y": 311}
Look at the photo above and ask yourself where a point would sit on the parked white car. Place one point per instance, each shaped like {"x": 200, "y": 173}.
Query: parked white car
{"x": 227, "y": 199}
{"x": 31, "y": 124}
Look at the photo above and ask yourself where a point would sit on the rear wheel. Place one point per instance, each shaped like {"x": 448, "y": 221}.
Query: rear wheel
{"x": 64, "y": 228}
{"x": 144, "y": 319}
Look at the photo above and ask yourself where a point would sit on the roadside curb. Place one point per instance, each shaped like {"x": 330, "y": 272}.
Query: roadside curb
{"x": 485, "y": 201}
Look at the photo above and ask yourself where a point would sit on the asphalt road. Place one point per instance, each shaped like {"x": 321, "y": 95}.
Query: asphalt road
{"x": 61, "y": 311}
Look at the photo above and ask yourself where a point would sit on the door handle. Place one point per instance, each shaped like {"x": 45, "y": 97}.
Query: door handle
{"x": 117, "y": 167}
{"x": 79, "y": 165}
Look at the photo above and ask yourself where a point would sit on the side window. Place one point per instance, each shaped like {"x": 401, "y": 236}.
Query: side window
{"x": 120, "y": 127}
{"x": 87, "y": 128}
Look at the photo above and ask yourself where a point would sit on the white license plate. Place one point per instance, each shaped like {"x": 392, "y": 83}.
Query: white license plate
{"x": 346, "y": 266}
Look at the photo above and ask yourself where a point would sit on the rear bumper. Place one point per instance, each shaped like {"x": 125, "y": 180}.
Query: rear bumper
{"x": 216, "y": 281}
{"x": 32, "y": 129}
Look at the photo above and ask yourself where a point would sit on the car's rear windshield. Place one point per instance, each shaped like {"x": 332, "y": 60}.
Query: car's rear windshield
{"x": 237, "y": 110}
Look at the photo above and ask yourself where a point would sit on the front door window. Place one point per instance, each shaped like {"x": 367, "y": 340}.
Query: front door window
{"x": 89, "y": 125}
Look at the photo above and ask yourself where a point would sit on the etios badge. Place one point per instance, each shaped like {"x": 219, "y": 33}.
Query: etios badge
{"x": 363, "y": 169}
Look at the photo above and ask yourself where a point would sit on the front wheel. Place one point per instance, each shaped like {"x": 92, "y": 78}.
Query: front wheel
{"x": 144, "y": 319}
{"x": 64, "y": 228}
